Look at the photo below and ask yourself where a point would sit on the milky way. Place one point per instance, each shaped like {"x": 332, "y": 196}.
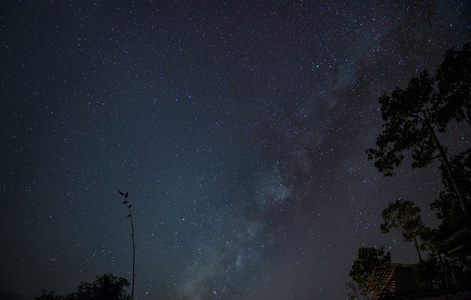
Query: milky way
{"x": 239, "y": 129}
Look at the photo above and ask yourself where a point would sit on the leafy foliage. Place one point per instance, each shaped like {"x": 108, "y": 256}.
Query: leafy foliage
{"x": 363, "y": 266}
{"x": 405, "y": 216}
{"x": 106, "y": 287}
{"x": 411, "y": 114}
{"x": 454, "y": 85}
{"x": 448, "y": 210}
{"x": 354, "y": 291}
{"x": 412, "y": 118}
{"x": 407, "y": 116}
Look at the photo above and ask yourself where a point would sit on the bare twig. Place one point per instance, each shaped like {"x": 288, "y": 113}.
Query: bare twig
{"x": 133, "y": 244}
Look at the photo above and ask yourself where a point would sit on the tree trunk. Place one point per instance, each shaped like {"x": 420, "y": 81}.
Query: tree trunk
{"x": 416, "y": 246}
{"x": 446, "y": 163}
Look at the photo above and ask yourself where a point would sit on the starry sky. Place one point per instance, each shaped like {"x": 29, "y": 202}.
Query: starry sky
{"x": 239, "y": 129}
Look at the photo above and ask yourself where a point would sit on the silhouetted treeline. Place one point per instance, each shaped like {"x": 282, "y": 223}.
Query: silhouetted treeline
{"x": 106, "y": 287}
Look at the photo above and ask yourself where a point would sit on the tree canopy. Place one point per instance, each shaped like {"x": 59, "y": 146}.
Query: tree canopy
{"x": 413, "y": 116}
{"x": 453, "y": 99}
{"x": 404, "y": 216}
{"x": 362, "y": 268}
{"x": 408, "y": 120}
{"x": 424, "y": 123}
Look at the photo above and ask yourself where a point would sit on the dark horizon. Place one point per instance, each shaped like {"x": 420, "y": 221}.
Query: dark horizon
{"x": 238, "y": 128}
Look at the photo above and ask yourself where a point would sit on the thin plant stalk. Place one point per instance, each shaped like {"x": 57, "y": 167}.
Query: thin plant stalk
{"x": 133, "y": 243}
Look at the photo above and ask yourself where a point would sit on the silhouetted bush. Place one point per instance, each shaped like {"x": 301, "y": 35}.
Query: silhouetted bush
{"x": 106, "y": 287}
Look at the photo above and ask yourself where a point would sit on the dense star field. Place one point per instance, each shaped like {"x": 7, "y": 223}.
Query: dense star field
{"x": 239, "y": 129}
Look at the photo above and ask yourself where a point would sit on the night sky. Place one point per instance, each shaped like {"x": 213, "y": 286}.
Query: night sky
{"x": 239, "y": 129}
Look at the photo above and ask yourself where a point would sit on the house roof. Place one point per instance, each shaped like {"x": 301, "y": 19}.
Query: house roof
{"x": 383, "y": 281}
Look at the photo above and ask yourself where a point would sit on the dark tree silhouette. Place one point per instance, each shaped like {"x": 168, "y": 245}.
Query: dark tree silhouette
{"x": 416, "y": 120}
{"x": 106, "y": 287}
{"x": 49, "y": 295}
{"x": 449, "y": 210}
{"x": 454, "y": 86}
{"x": 363, "y": 266}
{"x": 354, "y": 291}
{"x": 413, "y": 117}
{"x": 404, "y": 216}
